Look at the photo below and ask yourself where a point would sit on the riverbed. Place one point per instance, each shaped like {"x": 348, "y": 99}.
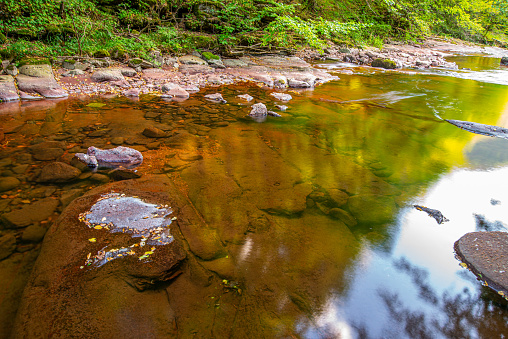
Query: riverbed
{"x": 315, "y": 207}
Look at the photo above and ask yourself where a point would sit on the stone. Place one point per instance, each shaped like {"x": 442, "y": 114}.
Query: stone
{"x": 175, "y": 90}
{"x": 384, "y": 63}
{"x": 37, "y": 211}
{"x": 61, "y": 280}
{"x": 343, "y": 216}
{"x": 45, "y": 84}
{"x": 8, "y": 183}
{"x": 75, "y": 65}
{"x": 293, "y": 83}
{"x": 7, "y": 245}
{"x": 504, "y": 61}
{"x": 245, "y": 97}
{"x": 68, "y": 196}
{"x": 216, "y": 63}
{"x": 338, "y": 197}
{"x": 137, "y": 62}
{"x": 128, "y": 72}
{"x": 133, "y": 92}
{"x": 281, "y": 96}
{"x": 100, "y": 178}
{"x": 216, "y": 97}
{"x": 154, "y": 132}
{"x": 123, "y": 174}
{"x": 258, "y": 109}
{"x": 372, "y": 208}
{"x": 234, "y": 63}
{"x": 33, "y": 234}
{"x": 8, "y": 91}
{"x": 191, "y": 60}
{"x": 11, "y": 70}
{"x": 101, "y": 75}
{"x": 486, "y": 255}
{"x": 45, "y": 154}
{"x": 73, "y": 72}
{"x": 58, "y": 172}
{"x": 37, "y": 71}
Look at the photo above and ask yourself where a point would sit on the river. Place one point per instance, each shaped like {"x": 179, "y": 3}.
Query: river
{"x": 336, "y": 248}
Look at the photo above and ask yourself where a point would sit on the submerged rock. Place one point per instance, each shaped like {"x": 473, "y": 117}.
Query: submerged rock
{"x": 216, "y": 97}
{"x": 486, "y": 255}
{"x": 34, "y": 212}
{"x": 106, "y": 248}
{"x": 58, "y": 172}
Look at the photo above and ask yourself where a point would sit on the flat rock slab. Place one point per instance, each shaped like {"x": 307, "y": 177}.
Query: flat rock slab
{"x": 112, "y": 74}
{"x": 486, "y": 255}
{"x": 39, "y": 79}
{"x": 105, "y": 264}
{"x": 8, "y": 90}
{"x": 34, "y": 212}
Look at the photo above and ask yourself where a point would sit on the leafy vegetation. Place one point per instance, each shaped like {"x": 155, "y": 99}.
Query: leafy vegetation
{"x": 69, "y": 27}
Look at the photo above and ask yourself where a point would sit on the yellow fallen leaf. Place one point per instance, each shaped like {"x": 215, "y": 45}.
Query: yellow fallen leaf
{"x": 92, "y": 240}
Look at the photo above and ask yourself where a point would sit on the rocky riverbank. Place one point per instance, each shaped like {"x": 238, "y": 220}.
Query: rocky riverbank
{"x": 177, "y": 78}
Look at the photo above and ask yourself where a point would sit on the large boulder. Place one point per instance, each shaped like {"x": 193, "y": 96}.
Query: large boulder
{"x": 39, "y": 79}
{"x": 486, "y": 255}
{"x": 107, "y": 261}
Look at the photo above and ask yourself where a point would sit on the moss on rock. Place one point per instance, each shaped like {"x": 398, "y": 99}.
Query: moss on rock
{"x": 384, "y": 63}
{"x": 210, "y": 56}
{"x": 34, "y": 61}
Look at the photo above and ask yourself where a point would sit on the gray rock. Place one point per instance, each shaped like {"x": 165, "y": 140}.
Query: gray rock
{"x": 258, "y": 109}
{"x": 216, "y": 97}
{"x": 101, "y": 75}
{"x": 73, "y": 72}
{"x": 34, "y": 212}
{"x": 37, "y": 71}
{"x": 11, "y": 70}
{"x": 281, "y": 96}
{"x": 175, "y": 90}
{"x": 245, "y": 97}
{"x": 7, "y": 245}
{"x": 216, "y": 63}
{"x": 33, "y": 234}
{"x": 133, "y": 92}
{"x": 8, "y": 183}
{"x": 100, "y": 63}
{"x": 8, "y": 91}
{"x": 191, "y": 60}
{"x": 58, "y": 172}
{"x": 293, "y": 83}
{"x": 504, "y": 61}
{"x": 137, "y": 62}
{"x": 234, "y": 63}
{"x": 75, "y": 65}
{"x": 128, "y": 72}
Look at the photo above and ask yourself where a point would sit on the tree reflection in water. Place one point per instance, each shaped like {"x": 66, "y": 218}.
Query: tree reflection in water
{"x": 459, "y": 316}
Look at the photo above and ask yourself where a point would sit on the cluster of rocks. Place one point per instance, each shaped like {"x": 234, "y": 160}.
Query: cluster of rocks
{"x": 170, "y": 78}
{"x": 389, "y": 57}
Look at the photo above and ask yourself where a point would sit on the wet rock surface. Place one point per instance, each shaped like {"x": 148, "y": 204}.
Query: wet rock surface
{"x": 8, "y": 91}
{"x": 84, "y": 270}
{"x": 39, "y": 79}
{"x": 486, "y": 255}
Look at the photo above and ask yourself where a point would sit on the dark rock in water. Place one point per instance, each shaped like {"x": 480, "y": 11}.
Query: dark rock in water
{"x": 33, "y": 233}
{"x": 440, "y": 218}
{"x": 7, "y": 245}
{"x": 34, "y": 212}
{"x": 482, "y": 224}
{"x": 106, "y": 263}
{"x": 504, "y": 61}
{"x": 8, "y": 183}
{"x": 154, "y": 132}
{"x": 474, "y": 127}
{"x": 123, "y": 174}
{"x": 120, "y": 156}
{"x": 58, "y": 172}
{"x": 46, "y": 154}
{"x": 486, "y": 255}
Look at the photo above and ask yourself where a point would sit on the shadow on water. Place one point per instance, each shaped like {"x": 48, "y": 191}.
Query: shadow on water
{"x": 314, "y": 208}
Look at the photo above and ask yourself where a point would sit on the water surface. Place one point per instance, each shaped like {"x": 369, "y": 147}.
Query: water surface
{"x": 282, "y": 194}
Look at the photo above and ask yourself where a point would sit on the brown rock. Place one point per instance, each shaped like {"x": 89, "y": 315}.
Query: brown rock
{"x": 34, "y": 212}
{"x": 58, "y": 172}
{"x": 486, "y": 255}
{"x": 7, "y": 245}
{"x": 154, "y": 132}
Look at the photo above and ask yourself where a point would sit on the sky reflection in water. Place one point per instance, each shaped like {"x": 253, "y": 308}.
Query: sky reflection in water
{"x": 415, "y": 287}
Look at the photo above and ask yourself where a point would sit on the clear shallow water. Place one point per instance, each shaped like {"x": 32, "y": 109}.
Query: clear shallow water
{"x": 371, "y": 134}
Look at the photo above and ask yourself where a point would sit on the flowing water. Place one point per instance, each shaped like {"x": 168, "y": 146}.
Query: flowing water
{"x": 337, "y": 248}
